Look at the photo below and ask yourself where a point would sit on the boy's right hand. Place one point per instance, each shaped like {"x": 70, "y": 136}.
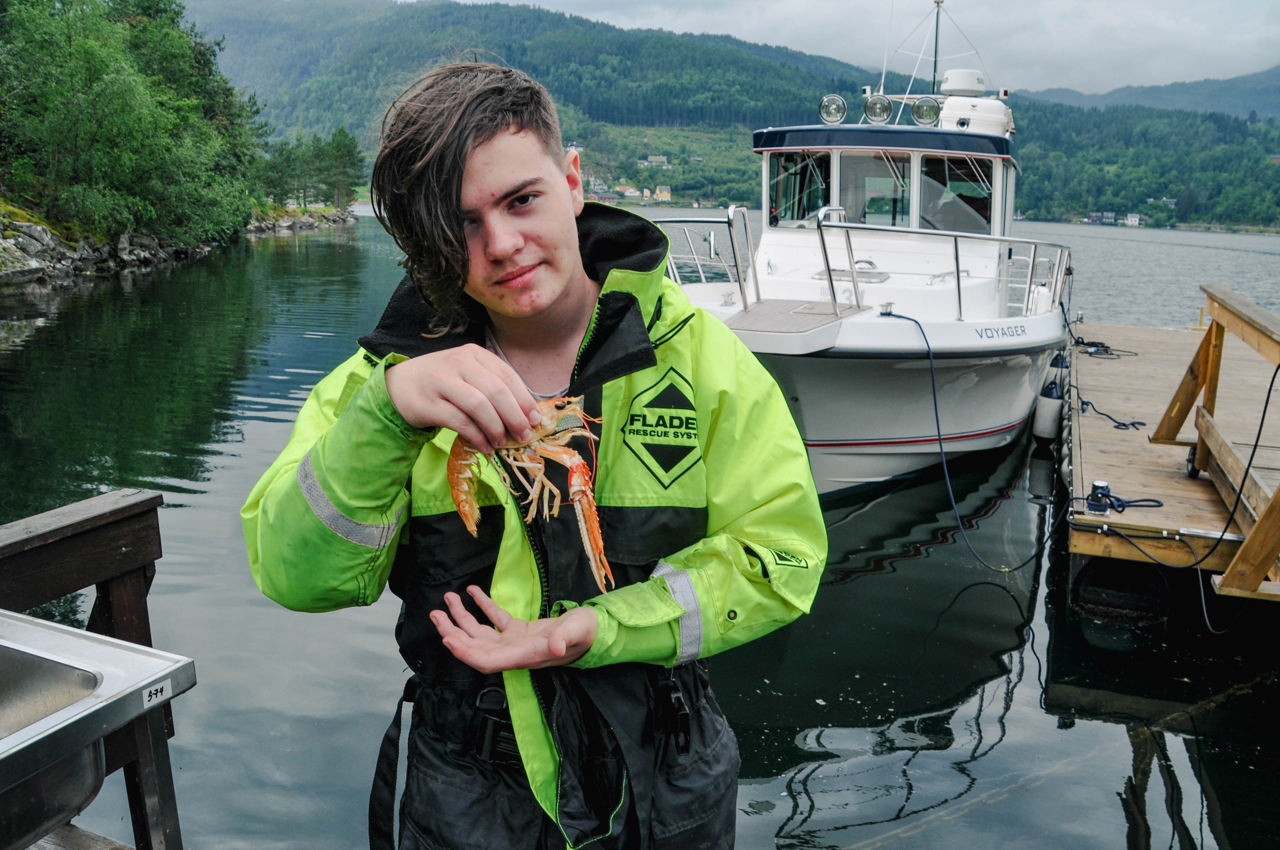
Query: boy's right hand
{"x": 467, "y": 389}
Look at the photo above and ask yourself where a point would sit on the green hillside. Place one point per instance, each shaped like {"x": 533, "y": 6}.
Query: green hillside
{"x": 326, "y": 63}
{"x": 629, "y": 94}
{"x": 1256, "y": 95}
{"x": 123, "y": 115}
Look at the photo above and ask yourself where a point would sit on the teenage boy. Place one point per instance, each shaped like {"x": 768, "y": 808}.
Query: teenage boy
{"x": 546, "y": 712}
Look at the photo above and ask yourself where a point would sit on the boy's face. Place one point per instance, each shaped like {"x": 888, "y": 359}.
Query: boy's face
{"x": 519, "y": 206}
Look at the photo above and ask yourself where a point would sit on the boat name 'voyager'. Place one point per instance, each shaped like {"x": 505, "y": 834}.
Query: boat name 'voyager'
{"x": 1001, "y": 332}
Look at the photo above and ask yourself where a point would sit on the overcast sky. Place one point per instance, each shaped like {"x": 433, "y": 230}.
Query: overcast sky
{"x": 1092, "y": 46}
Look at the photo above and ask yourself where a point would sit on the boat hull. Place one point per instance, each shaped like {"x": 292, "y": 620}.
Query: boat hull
{"x": 867, "y": 419}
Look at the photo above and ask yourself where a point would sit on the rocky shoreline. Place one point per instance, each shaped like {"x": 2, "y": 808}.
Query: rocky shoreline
{"x": 38, "y": 271}
{"x": 32, "y": 256}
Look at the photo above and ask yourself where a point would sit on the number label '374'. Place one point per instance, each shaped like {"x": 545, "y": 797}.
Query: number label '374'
{"x": 157, "y": 693}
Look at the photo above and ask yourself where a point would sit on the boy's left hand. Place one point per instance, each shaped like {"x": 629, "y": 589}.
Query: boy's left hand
{"x": 511, "y": 643}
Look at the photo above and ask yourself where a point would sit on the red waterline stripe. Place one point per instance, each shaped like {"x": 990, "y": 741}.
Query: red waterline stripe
{"x": 910, "y": 441}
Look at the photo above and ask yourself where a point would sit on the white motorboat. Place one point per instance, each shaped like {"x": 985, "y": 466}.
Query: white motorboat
{"x": 885, "y": 292}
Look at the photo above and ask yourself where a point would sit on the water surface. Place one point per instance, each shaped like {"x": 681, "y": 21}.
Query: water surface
{"x": 944, "y": 692}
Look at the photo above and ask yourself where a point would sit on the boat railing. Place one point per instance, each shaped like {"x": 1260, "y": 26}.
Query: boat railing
{"x": 686, "y": 264}
{"x": 1025, "y": 267}
{"x": 838, "y": 212}
{"x": 1031, "y": 275}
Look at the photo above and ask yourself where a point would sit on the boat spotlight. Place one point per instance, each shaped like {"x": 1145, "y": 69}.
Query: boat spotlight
{"x": 878, "y": 109}
{"x": 925, "y": 110}
{"x": 832, "y": 109}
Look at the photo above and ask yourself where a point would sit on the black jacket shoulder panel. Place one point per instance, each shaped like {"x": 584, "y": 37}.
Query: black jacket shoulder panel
{"x": 610, "y": 238}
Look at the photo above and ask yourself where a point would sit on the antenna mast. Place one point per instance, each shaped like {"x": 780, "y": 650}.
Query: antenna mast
{"x": 937, "y": 20}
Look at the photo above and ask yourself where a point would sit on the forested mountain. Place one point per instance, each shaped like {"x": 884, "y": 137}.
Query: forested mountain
{"x": 319, "y": 64}
{"x": 1216, "y": 168}
{"x": 124, "y": 114}
{"x": 1256, "y": 95}
{"x": 627, "y": 94}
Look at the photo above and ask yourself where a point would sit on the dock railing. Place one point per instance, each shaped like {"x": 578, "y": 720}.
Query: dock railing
{"x": 109, "y": 542}
{"x": 1252, "y": 571}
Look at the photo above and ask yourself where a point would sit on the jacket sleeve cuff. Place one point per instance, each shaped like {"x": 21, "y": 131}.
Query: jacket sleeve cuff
{"x": 633, "y": 623}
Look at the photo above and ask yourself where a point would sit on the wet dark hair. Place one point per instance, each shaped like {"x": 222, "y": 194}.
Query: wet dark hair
{"x": 427, "y": 134}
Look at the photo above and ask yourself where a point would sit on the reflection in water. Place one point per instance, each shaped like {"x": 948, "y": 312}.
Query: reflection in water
{"x": 927, "y": 702}
{"x": 913, "y": 658}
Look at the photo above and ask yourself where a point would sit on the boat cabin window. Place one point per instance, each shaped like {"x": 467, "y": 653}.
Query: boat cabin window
{"x": 955, "y": 193}
{"x": 875, "y": 188}
{"x": 799, "y": 186}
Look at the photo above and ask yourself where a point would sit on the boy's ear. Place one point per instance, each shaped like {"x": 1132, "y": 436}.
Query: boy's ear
{"x": 573, "y": 176}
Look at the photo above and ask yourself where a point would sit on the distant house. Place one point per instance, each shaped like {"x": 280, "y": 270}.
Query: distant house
{"x": 662, "y": 194}
{"x": 603, "y": 197}
{"x": 653, "y": 162}
{"x": 1133, "y": 220}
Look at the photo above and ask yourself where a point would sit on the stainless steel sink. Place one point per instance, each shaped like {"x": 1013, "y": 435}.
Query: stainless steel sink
{"x": 61, "y": 691}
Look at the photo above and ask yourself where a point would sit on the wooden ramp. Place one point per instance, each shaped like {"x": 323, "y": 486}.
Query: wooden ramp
{"x": 1200, "y": 395}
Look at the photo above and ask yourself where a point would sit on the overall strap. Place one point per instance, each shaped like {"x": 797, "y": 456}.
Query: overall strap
{"x": 382, "y": 798}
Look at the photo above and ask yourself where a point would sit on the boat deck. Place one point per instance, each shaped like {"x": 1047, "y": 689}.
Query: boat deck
{"x": 1132, "y": 377}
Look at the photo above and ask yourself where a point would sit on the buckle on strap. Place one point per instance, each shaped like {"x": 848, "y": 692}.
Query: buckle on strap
{"x": 494, "y": 736}
{"x": 675, "y": 713}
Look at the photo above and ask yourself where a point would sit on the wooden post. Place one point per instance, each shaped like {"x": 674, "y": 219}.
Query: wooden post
{"x": 1212, "y": 370}
{"x": 1184, "y": 397}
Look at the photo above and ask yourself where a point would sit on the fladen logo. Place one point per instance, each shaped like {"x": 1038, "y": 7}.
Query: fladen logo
{"x": 662, "y": 428}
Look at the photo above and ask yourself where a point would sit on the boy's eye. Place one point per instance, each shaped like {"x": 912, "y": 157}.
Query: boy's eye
{"x": 522, "y": 200}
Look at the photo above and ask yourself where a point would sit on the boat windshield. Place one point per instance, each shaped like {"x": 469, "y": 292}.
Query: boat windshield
{"x": 799, "y": 186}
{"x": 875, "y": 188}
{"x": 955, "y": 193}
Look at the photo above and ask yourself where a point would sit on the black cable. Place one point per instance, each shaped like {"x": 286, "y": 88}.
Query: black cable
{"x": 946, "y": 474}
{"x": 1097, "y": 348}
{"x": 1122, "y": 426}
{"x": 1099, "y": 503}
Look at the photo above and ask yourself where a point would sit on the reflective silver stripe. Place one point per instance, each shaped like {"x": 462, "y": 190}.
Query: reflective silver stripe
{"x": 373, "y": 536}
{"x": 691, "y": 620}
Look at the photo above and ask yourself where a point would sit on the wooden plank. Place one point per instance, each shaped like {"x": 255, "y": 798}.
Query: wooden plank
{"x": 1254, "y": 324}
{"x": 1267, "y": 590}
{"x": 70, "y": 837}
{"x": 1256, "y": 496}
{"x": 64, "y": 564}
{"x": 1257, "y": 555}
{"x": 39, "y": 530}
{"x": 1184, "y": 397}
{"x": 1212, "y": 373}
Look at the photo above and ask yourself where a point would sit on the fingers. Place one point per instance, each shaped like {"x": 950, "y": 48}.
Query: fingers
{"x": 497, "y": 615}
{"x": 467, "y": 389}
{"x": 514, "y": 643}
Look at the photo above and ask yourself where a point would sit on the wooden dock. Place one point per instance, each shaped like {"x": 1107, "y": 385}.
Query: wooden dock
{"x": 1199, "y": 395}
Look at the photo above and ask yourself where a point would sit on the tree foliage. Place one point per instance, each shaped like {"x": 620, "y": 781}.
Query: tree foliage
{"x": 116, "y": 118}
{"x": 310, "y": 168}
{"x": 1215, "y": 168}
